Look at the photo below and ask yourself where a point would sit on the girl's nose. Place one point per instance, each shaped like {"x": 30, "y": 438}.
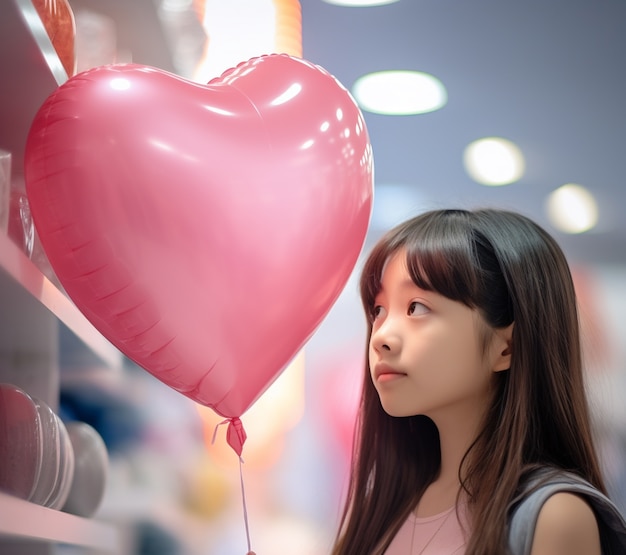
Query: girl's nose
{"x": 385, "y": 337}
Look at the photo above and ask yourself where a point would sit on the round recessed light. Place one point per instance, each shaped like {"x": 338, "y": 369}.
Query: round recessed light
{"x": 493, "y": 161}
{"x": 399, "y": 92}
{"x": 572, "y": 208}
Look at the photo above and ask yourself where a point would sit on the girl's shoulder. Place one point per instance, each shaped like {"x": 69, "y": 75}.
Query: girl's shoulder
{"x": 566, "y": 524}
{"x": 554, "y": 504}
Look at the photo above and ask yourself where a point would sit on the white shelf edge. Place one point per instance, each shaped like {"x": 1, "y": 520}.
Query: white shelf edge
{"x": 33, "y": 22}
{"x": 22, "y": 270}
{"x": 18, "y": 517}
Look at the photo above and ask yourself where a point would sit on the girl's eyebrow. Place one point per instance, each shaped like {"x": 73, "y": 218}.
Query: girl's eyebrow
{"x": 408, "y": 283}
{"x": 410, "y": 286}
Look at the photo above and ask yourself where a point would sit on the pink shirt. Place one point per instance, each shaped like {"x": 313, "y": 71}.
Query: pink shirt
{"x": 440, "y": 534}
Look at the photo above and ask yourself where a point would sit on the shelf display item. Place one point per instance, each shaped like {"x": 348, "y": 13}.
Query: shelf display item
{"x": 20, "y": 228}
{"x": 90, "y": 470}
{"x": 65, "y": 476}
{"x": 58, "y": 19}
{"x": 57, "y": 463}
{"x": 5, "y": 189}
{"x": 50, "y": 461}
{"x": 20, "y": 442}
{"x": 36, "y": 455}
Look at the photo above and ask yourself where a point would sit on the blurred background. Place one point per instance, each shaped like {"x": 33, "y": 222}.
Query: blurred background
{"x": 536, "y": 87}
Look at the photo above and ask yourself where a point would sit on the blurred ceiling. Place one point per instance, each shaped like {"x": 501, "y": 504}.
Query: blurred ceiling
{"x": 549, "y": 76}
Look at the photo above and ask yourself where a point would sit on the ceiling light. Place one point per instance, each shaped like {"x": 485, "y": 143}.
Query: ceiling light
{"x": 360, "y": 3}
{"x": 572, "y": 209}
{"x": 399, "y": 92}
{"x": 493, "y": 161}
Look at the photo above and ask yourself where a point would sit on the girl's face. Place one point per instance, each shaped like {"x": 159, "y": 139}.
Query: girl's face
{"x": 426, "y": 352}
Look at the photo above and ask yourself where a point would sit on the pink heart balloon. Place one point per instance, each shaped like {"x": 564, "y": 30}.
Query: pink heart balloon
{"x": 205, "y": 230}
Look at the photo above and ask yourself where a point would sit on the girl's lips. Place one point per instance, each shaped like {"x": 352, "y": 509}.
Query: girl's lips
{"x": 384, "y": 373}
{"x": 390, "y": 376}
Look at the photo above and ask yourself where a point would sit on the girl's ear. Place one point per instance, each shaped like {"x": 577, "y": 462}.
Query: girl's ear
{"x": 502, "y": 342}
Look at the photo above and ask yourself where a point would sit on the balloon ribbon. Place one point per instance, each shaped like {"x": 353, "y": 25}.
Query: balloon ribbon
{"x": 236, "y": 437}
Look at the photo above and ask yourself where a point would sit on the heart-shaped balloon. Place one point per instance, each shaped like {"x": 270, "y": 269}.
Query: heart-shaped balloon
{"x": 205, "y": 230}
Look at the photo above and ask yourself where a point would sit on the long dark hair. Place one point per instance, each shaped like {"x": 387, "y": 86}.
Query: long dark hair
{"x": 510, "y": 270}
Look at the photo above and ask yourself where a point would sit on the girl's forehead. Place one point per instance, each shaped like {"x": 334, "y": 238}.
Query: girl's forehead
{"x": 395, "y": 274}
{"x": 394, "y": 265}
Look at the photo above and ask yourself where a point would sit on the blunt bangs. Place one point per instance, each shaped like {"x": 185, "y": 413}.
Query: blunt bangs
{"x": 441, "y": 256}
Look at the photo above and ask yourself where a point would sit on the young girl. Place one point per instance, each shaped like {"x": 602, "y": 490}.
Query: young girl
{"x": 474, "y": 380}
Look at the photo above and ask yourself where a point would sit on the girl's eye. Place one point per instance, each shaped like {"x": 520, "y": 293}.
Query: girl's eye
{"x": 377, "y": 312}
{"x": 416, "y": 308}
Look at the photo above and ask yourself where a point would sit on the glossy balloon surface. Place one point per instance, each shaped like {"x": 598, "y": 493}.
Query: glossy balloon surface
{"x": 205, "y": 230}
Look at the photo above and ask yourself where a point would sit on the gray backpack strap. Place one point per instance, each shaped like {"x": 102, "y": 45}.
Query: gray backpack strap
{"x": 545, "y": 483}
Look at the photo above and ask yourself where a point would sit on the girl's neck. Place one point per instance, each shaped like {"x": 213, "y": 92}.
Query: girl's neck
{"x": 439, "y": 496}
{"x": 455, "y": 437}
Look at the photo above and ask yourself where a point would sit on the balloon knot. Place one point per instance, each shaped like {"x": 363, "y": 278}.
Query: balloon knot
{"x": 235, "y": 434}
